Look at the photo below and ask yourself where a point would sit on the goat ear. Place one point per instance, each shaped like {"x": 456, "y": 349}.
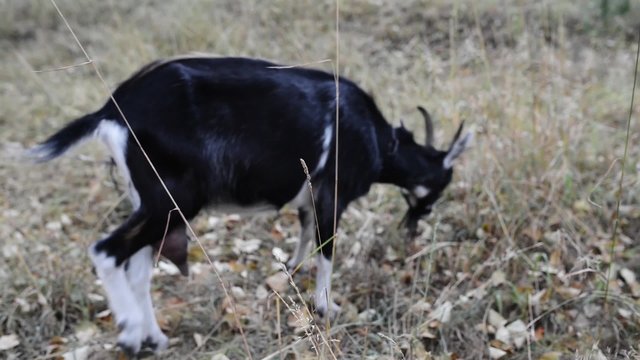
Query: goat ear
{"x": 457, "y": 148}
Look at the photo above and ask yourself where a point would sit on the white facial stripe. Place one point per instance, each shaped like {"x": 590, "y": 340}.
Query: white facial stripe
{"x": 421, "y": 191}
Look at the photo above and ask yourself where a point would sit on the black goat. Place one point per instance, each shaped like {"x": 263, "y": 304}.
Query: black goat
{"x": 232, "y": 131}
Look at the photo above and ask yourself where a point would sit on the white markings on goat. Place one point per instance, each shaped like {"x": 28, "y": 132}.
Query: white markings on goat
{"x": 324, "y": 303}
{"x": 307, "y": 233}
{"x": 421, "y": 191}
{"x": 326, "y": 143}
{"x": 42, "y": 152}
{"x": 139, "y": 274}
{"x": 115, "y": 138}
{"x": 253, "y": 209}
{"x": 122, "y": 300}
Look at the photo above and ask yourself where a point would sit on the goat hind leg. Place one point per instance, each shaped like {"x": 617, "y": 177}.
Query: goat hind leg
{"x": 307, "y": 233}
{"x": 139, "y": 273}
{"x": 109, "y": 256}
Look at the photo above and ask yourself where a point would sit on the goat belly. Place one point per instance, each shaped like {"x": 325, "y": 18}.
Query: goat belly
{"x": 174, "y": 248}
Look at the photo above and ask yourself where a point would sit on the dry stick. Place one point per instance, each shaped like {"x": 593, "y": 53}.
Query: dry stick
{"x": 306, "y": 308}
{"x": 335, "y": 190}
{"x": 64, "y": 67}
{"x": 278, "y": 323}
{"x": 164, "y": 236}
{"x": 597, "y": 185}
{"x": 616, "y": 221}
{"x": 155, "y": 171}
{"x": 313, "y": 204}
{"x": 280, "y": 67}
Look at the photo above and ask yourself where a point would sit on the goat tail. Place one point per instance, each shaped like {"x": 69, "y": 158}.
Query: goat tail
{"x": 70, "y": 135}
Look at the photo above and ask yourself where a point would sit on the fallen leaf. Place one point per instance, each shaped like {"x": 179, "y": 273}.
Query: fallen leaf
{"x": 503, "y": 335}
{"x": 442, "y": 313}
{"x": 426, "y": 334}
{"x": 246, "y": 246}
{"x": 279, "y": 254}
{"x": 629, "y": 278}
{"x": 367, "y": 315}
{"x": 58, "y": 340}
{"x": 103, "y": 314}
{"x": 496, "y": 353}
{"x": 9, "y": 342}
{"x": 278, "y": 282}
{"x": 24, "y": 305}
{"x": 276, "y": 232}
{"x": 551, "y": 355}
{"x": 81, "y": 353}
{"x": 261, "y": 292}
{"x": 498, "y": 277}
{"x": 231, "y": 220}
{"x": 168, "y": 268}
{"x": 196, "y": 254}
{"x": 86, "y": 331}
{"x": 219, "y": 356}
{"x": 581, "y": 206}
{"x": 625, "y": 313}
{"x": 198, "y": 338}
{"x": 596, "y": 353}
{"x": 238, "y": 292}
{"x": 517, "y": 333}
{"x": 496, "y": 320}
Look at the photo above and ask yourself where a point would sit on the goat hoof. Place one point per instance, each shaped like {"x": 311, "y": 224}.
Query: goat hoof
{"x": 291, "y": 268}
{"x": 331, "y": 311}
{"x": 156, "y": 343}
{"x": 130, "y": 338}
{"x": 128, "y": 349}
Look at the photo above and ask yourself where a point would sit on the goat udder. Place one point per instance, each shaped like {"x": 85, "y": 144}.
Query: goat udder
{"x": 175, "y": 249}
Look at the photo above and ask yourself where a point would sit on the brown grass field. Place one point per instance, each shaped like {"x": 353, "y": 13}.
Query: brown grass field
{"x": 518, "y": 261}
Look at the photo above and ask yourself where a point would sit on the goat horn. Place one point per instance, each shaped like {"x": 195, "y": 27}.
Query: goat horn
{"x": 428, "y": 125}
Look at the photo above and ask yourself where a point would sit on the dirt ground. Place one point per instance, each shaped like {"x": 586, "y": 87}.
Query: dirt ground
{"x": 519, "y": 259}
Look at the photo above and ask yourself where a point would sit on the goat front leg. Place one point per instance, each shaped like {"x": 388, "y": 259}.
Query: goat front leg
{"x": 324, "y": 265}
{"x": 324, "y": 302}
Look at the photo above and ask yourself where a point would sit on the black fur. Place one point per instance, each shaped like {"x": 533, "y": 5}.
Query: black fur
{"x": 232, "y": 130}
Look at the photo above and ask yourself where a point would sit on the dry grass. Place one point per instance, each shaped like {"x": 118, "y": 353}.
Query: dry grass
{"x": 546, "y": 85}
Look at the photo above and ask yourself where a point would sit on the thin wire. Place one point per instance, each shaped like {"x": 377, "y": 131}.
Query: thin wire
{"x": 337, "y": 81}
{"x": 155, "y": 171}
{"x": 335, "y": 190}
{"x": 616, "y": 219}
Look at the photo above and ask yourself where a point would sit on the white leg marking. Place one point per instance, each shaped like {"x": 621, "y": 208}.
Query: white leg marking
{"x": 139, "y": 274}
{"x": 324, "y": 304}
{"x": 115, "y": 138}
{"x": 307, "y": 233}
{"x": 326, "y": 142}
{"x": 122, "y": 301}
